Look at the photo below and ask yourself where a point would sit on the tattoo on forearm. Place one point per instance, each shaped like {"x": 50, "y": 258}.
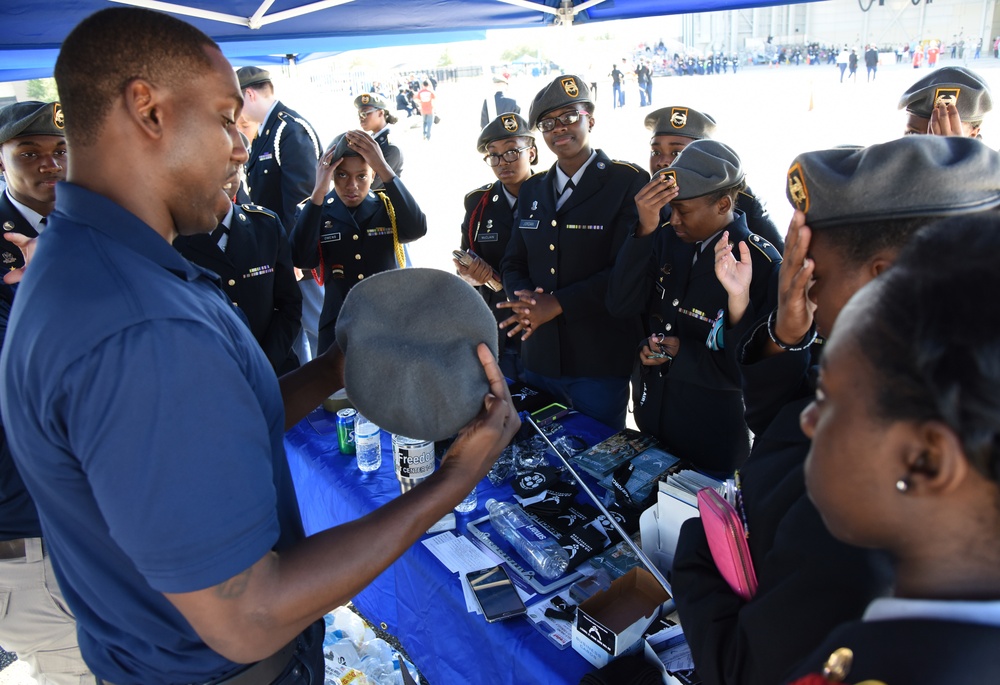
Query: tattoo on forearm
{"x": 235, "y": 586}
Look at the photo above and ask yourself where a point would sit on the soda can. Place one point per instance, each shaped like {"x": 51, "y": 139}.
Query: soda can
{"x": 345, "y": 430}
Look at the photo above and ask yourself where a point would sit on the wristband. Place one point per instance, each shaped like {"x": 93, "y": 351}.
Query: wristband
{"x": 809, "y": 339}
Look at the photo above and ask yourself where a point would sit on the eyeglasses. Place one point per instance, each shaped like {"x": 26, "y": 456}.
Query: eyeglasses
{"x": 363, "y": 114}
{"x": 567, "y": 119}
{"x": 511, "y": 156}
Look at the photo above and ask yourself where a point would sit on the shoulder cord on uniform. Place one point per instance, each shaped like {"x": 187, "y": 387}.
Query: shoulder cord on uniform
{"x": 476, "y": 215}
{"x": 397, "y": 247}
{"x": 281, "y": 128}
{"x": 319, "y": 273}
{"x": 277, "y": 142}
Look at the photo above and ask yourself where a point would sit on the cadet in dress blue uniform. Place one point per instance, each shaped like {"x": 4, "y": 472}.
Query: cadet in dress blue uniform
{"x": 280, "y": 175}
{"x": 32, "y": 162}
{"x": 377, "y": 120}
{"x": 509, "y": 148}
{"x": 905, "y": 458}
{"x": 687, "y": 390}
{"x": 352, "y": 232}
{"x": 673, "y": 129}
{"x": 250, "y": 253}
{"x": 808, "y": 581}
{"x": 35, "y": 625}
{"x": 571, "y": 221}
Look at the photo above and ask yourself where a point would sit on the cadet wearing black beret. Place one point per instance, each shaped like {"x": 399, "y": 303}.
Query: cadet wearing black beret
{"x": 509, "y": 149}
{"x": 862, "y": 205}
{"x": 673, "y": 129}
{"x": 377, "y": 119}
{"x": 351, "y": 232}
{"x": 571, "y": 220}
{"x": 30, "y": 195}
{"x": 957, "y": 87}
{"x": 691, "y": 399}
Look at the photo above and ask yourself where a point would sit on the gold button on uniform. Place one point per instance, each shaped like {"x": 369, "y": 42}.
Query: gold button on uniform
{"x": 555, "y": 223}
{"x": 552, "y": 270}
{"x": 676, "y": 302}
{"x": 357, "y": 256}
{"x": 669, "y": 326}
{"x": 232, "y": 281}
{"x": 551, "y": 246}
{"x": 355, "y": 236}
{"x": 360, "y": 276}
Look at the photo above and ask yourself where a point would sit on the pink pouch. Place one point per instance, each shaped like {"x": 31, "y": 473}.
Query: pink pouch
{"x": 728, "y": 542}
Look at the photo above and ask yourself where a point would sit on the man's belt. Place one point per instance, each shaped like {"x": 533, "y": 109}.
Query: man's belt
{"x": 12, "y": 549}
{"x": 264, "y": 672}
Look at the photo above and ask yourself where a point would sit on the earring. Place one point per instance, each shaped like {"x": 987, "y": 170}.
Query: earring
{"x": 902, "y": 485}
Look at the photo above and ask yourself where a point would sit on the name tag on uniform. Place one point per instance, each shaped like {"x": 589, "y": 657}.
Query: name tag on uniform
{"x": 333, "y": 237}
{"x": 584, "y": 227}
{"x": 266, "y": 156}
{"x": 259, "y": 271}
{"x": 487, "y": 238}
{"x": 380, "y": 230}
{"x": 531, "y": 224}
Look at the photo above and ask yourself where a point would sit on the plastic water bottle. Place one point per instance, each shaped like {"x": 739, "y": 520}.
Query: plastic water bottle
{"x": 468, "y": 504}
{"x": 534, "y": 544}
{"x": 367, "y": 442}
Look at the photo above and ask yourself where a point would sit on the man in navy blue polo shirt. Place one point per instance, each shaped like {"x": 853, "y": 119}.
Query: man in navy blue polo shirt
{"x": 142, "y": 414}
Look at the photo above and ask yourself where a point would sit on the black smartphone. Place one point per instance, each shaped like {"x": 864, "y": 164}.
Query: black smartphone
{"x": 495, "y": 593}
{"x": 547, "y": 415}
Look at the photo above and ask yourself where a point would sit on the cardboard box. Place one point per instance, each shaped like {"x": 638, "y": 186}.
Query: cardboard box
{"x": 660, "y": 527}
{"x": 611, "y": 623}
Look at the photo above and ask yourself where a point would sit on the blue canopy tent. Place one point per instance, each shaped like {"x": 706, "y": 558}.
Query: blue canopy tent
{"x": 270, "y": 31}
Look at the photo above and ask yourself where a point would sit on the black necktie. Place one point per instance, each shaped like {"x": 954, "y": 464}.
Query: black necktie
{"x": 221, "y": 235}
{"x": 697, "y": 253}
{"x": 566, "y": 192}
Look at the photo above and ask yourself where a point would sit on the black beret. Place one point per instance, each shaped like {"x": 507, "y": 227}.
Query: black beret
{"x": 370, "y": 100}
{"x": 910, "y": 177}
{"x": 967, "y": 89}
{"x": 31, "y": 118}
{"x": 342, "y": 149}
{"x": 564, "y": 90}
{"x": 252, "y": 76}
{"x": 409, "y": 338}
{"x": 504, "y": 126}
{"x": 704, "y": 167}
{"x": 680, "y": 121}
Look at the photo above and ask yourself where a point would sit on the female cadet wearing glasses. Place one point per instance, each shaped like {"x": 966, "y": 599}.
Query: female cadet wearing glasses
{"x": 571, "y": 222}
{"x": 375, "y": 118}
{"x": 510, "y": 152}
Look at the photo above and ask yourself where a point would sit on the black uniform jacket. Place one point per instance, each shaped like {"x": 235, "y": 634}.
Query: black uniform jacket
{"x": 502, "y": 105}
{"x": 808, "y": 582}
{"x": 758, "y": 218}
{"x": 349, "y": 245}
{"x": 393, "y": 156}
{"x": 913, "y": 652}
{"x": 256, "y": 274}
{"x": 281, "y": 170}
{"x": 486, "y": 230}
{"x": 569, "y": 252}
{"x": 13, "y": 222}
{"x": 695, "y": 406}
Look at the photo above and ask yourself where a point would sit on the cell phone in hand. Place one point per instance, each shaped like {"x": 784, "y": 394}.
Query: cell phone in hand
{"x": 466, "y": 258}
{"x": 495, "y": 594}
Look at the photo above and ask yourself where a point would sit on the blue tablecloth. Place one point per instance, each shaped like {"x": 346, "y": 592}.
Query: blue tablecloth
{"x": 417, "y": 599}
